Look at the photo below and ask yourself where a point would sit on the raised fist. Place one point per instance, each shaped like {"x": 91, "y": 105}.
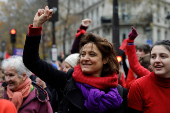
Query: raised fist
{"x": 86, "y": 22}
{"x": 133, "y": 34}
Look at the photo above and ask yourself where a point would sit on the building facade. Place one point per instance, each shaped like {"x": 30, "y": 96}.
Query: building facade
{"x": 149, "y": 18}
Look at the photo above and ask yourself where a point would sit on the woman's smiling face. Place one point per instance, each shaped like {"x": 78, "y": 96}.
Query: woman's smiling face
{"x": 160, "y": 61}
{"x": 91, "y": 60}
{"x": 12, "y": 78}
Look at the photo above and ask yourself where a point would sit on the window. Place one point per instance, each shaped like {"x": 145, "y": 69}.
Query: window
{"x": 166, "y": 35}
{"x": 158, "y": 15}
{"x": 92, "y": 18}
{"x": 165, "y": 12}
{"x": 103, "y": 6}
{"x": 97, "y": 32}
{"x": 158, "y": 35}
{"x": 97, "y": 15}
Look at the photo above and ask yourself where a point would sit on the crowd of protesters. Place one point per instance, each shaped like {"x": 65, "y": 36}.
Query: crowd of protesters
{"x": 90, "y": 79}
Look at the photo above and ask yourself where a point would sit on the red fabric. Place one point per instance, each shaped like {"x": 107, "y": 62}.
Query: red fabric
{"x": 150, "y": 94}
{"x": 20, "y": 93}
{"x": 81, "y": 31}
{"x": 6, "y": 55}
{"x": 7, "y": 107}
{"x": 34, "y": 31}
{"x": 134, "y": 62}
{"x": 124, "y": 43}
{"x": 122, "y": 81}
{"x": 130, "y": 78}
{"x": 109, "y": 81}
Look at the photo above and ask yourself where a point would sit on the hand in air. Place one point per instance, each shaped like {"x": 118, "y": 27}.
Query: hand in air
{"x": 42, "y": 16}
{"x": 133, "y": 34}
{"x": 86, "y": 22}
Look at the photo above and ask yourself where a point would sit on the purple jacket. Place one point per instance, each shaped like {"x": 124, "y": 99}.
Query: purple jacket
{"x": 33, "y": 104}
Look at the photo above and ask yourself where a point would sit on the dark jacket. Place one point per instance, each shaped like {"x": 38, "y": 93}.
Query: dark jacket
{"x": 73, "y": 100}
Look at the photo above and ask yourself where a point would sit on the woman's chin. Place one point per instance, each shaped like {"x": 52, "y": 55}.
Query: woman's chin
{"x": 12, "y": 88}
{"x": 87, "y": 72}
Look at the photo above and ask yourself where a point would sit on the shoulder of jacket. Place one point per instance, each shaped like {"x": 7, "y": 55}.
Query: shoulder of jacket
{"x": 70, "y": 72}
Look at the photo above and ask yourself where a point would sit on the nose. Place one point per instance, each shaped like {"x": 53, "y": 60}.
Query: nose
{"x": 157, "y": 59}
{"x": 7, "y": 78}
{"x": 86, "y": 57}
{"x": 64, "y": 69}
{"x": 137, "y": 52}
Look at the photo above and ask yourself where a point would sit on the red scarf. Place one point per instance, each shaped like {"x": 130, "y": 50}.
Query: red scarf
{"x": 21, "y": 92}
{"x": 109, "y": 81}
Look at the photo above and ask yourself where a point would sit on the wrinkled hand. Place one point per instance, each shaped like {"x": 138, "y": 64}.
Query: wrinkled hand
{"x": 42, "y": 16}
{"x": 86, "y": 22}
{"x": 133, "y": 34}
{"x": 40, "y": 82}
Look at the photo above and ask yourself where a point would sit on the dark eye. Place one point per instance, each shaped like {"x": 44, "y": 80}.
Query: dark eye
{"x": 11, "y": 75}
{"x": 92, "y": 54}
{"x": 163, "y": 56}
{"x": 82, "y": 54}
{"x": 153, "y": 56}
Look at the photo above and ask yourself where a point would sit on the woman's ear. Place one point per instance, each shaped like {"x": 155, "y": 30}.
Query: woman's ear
{"x": 105, "y": 60}
{"x": 24, "y": 76}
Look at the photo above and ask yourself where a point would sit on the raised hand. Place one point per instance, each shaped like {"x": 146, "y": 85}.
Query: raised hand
{"x": 133, "y": 34}
{"x": 86, "y": 22}
{"x": 42, "y": 16}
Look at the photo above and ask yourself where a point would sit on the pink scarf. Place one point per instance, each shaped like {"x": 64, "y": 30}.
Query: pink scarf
{"x": 21, "y": 92}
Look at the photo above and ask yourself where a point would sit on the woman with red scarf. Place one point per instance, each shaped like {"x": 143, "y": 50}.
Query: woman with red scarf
{"x": 92, "y": 86}
{"x": 19, "y": 90}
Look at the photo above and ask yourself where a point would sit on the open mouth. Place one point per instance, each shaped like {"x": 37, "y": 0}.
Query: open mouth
{"x": 86, "y": 65}
{"x": 10, "y": 83}
{"x": 158, "y": 67}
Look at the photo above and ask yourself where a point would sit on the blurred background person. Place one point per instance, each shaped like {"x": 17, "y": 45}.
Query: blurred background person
{"x": 70, "y": 62}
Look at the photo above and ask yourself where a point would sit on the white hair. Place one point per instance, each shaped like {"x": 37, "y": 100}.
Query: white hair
{"x": 17, "y": 63}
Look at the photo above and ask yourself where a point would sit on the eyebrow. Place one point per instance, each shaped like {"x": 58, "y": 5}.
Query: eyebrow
{"x": 159, "y": 53}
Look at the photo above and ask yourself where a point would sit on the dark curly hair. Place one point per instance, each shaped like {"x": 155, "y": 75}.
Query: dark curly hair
{"x": 107, "y": 50}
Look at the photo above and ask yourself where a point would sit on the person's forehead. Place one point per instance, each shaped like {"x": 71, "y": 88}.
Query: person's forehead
{"x": 159, "y": 49}
{"x": 89, "y": 46}
{"x": 9, "y": 70}
{"x": 140, "y": 50}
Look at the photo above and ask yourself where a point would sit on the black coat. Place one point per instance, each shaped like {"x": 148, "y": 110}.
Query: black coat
{"x": 73, "y": 100}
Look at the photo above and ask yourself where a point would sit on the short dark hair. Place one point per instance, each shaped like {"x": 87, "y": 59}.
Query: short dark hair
{"x": 145, "y": 61}
{"x": 145, "y": 47}
{"x": 107, "y": 50}
{"x": 165, "y": 43}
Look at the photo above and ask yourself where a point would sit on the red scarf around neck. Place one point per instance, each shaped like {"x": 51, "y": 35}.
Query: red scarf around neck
{"x": 21, "y": 92}
{"x": 109, "y": 81}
